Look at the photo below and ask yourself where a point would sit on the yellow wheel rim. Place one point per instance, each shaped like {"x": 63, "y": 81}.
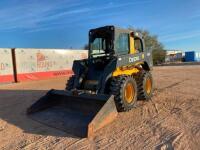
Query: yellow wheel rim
{"x": 129, "y": 93}
{"x": 148, "y": 85}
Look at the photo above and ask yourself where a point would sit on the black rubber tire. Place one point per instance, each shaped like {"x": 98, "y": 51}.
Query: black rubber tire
{"x": 117, "y": 88}
{"x": 141, "y": 79}
{"x": 70, "y": 83}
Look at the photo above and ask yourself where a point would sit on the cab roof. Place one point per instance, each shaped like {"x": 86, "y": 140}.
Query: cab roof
{"x": 117, "y": 29}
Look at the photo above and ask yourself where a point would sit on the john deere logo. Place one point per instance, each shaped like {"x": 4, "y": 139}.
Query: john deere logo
{"x": 133, "y": 59}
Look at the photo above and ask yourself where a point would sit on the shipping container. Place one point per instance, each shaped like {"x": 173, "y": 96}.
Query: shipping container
{"x": 192, "y": 56}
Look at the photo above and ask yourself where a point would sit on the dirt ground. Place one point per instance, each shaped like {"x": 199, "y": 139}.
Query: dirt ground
{"x": 171, "y": 120}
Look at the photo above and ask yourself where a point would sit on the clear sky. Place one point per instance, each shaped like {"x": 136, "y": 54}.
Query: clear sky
{"x": 65, "y": 23}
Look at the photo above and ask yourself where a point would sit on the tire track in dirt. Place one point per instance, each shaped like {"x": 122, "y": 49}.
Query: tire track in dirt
{"x": 62, "y": 143}
{"x": 131, "y": 131}
{"x": 156, "y": 90}
{"x": 173, "y": 109}
{"x": 43, "y": 142}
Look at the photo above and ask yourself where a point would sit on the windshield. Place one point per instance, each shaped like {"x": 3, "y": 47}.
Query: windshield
{"x": 98, "y": 46}
{"x": 101, "y": 42}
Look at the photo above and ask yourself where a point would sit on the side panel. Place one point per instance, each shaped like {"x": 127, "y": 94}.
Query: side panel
{"x": 6, "y": 66}
{"x": 130, "y": 71}
{"x": 145, "y": 59}
{"x": 130, "y": 59}
{"x": 189, "y": 56}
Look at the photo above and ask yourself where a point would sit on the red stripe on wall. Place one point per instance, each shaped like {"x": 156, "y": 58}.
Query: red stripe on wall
{"x": 6, "y": 78}
{"x": 43, "y": 75}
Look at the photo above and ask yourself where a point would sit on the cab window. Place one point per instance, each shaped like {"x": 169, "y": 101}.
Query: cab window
{"x": 122, "y": 43}
{"x": 138, "y": 45}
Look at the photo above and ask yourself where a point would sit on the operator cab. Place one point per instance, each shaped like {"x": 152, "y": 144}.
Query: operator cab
{"x": 113, "y": 41}
{"x": 101, "y": 42}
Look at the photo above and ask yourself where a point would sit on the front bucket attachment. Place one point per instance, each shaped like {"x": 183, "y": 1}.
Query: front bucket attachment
{"x": 80, "y": 115}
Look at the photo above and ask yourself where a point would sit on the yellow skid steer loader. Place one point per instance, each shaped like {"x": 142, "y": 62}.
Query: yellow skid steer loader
{"x": 116, "y": 74}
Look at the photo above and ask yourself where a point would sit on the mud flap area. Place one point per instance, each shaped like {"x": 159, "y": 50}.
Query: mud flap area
{"x": 80, "y": 115}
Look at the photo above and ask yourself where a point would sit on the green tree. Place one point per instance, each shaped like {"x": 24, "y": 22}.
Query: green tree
{"x": 152, "y": 43}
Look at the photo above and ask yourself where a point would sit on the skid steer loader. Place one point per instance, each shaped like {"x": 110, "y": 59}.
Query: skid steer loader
{"x": 116, "y": 74}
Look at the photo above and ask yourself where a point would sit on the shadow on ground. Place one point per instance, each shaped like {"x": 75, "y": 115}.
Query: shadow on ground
{"x": 13, "y": 106}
